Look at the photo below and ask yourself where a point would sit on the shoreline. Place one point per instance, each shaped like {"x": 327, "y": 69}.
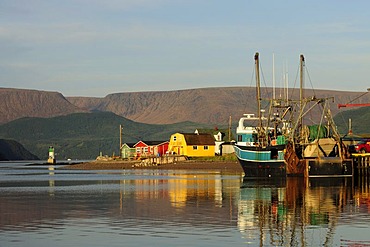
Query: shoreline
{"x": 231, "y": 166}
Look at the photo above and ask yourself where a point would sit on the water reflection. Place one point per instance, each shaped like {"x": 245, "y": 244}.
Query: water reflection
{"x": 299, "y": 212}
{"x": 47, "y": 205}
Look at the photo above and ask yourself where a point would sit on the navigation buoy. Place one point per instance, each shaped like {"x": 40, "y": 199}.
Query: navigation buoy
{"x": 51, "y": 158}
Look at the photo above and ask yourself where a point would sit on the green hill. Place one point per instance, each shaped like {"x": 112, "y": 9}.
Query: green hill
{"x": 85, "y": 135}
{"x": 360, "y": 121}
{"x": 13, "y": 150}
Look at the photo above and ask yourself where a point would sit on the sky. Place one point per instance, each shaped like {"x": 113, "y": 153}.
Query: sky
{"x": 97, "y": 47}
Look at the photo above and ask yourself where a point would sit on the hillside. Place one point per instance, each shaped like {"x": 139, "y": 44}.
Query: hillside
{"x": 204, "y": 105}
{"x": 12, "y": 150}
{"x": 360, "y": 121}
{"x": 85, "y": 135}
{"x": 207, "y": 105}
{"x": 18, "y": 103}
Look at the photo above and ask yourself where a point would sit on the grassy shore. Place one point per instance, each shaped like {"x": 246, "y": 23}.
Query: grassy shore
{"x": 216, "y": 164}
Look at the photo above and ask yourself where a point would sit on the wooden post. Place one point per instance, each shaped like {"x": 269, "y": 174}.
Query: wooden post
{"x": 229, "y": 128}
{"x": 120, "y": 140}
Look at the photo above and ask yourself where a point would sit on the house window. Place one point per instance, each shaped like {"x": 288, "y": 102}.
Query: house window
{"x": 195, "y": 147}
{"x": 146, "y": 150}
{"x": 174, "y": 138}
{"x": 138, "y": 150}
{"x": 205, "y": 147}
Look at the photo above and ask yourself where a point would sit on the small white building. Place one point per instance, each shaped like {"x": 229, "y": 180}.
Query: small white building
{"x": 218, "y": 141}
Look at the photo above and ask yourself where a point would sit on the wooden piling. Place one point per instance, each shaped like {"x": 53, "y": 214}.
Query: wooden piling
{"x": 362, "y": 164}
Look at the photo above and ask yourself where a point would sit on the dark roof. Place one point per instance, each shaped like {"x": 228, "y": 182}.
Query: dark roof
{"x": 154, "y": 143}
{"x": 199, "y": 139}
{"x": 129, "y": 144}
{"x": 150, "y": 143}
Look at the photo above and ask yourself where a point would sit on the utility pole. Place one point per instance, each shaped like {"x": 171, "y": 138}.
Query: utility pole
{"x": 229, "y": 128}
{"x": 120, "y": 140}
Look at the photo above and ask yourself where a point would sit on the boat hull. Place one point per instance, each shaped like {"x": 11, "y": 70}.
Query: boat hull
{"x": 261, "y": 162}
{"x": 329, "y": 168}
{"x": 263, "y": 169}
{"x": 269, "y": 162}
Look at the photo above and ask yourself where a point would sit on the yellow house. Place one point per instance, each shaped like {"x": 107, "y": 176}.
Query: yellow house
{"x": 192, "y": 145}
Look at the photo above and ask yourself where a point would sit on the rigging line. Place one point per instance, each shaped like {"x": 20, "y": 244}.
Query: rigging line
{"x": 263, "y": 78}
{"x": 295, "y": 81}
{"x": 244, "y": 91}
{"x": 265, "y": 86}
{"x": 358, "y": 97}
{"x": 344, "y": 121}
{"x": 309, "y": 78}
{"x": 253, "y": 74}
{"x": 322, "y": 118}
{"x": 342, "y": 113}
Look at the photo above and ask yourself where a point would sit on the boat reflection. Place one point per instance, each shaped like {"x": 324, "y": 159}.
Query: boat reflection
{"x": 293, "y": 211}
{"x": 284, "y": 212}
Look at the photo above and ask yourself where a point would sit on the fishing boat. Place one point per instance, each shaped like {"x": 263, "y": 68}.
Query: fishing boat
{"x": 278, "y": 141}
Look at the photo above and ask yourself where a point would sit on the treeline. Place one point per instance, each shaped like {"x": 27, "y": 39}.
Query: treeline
{"x": 85, "y": 135}
{"x": 13, "y": 150}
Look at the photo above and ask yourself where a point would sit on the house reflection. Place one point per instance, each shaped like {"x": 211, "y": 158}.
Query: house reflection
{"x": 171, "y": 197}
{"x": 288, "y": 212}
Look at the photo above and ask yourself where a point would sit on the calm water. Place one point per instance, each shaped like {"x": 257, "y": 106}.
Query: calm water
{"x": 49, "y": 206}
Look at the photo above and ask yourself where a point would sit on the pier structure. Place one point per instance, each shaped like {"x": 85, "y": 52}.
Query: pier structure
{"x": 362, "y": 163}
{"x": 166, "y": 159}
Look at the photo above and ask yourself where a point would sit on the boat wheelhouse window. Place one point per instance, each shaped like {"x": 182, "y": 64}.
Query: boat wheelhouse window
{"x": 247, "y": 138}
{"x": 254, "y": 138}
{"x": 240, "y": 138}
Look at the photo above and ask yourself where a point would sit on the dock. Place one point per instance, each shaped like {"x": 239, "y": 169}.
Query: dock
{"x": 361, "y": 163}
{"x": 162, "y": 160}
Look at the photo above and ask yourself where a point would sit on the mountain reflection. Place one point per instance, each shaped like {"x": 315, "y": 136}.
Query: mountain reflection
{"x": 288, "y": 212}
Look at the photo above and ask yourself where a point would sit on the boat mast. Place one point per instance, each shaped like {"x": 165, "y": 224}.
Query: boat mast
{"x": 286, "y": 82}
{"x": 302, "y": 64}
{"x": 258, "y": 87}
{"x": 273, "y": 77}
{"x": 301, "y": 96}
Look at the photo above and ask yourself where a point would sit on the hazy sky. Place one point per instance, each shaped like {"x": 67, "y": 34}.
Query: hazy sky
{"x": 97, "y": 47}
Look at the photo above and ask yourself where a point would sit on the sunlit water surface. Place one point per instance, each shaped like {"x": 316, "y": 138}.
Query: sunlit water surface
{"x": 49, "y": 206}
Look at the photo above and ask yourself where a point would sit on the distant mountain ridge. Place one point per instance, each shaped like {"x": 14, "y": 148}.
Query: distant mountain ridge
{"x": 203, "y": 105}
{"x": 18, "y": 103}
{"x": 94, "y": 127}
